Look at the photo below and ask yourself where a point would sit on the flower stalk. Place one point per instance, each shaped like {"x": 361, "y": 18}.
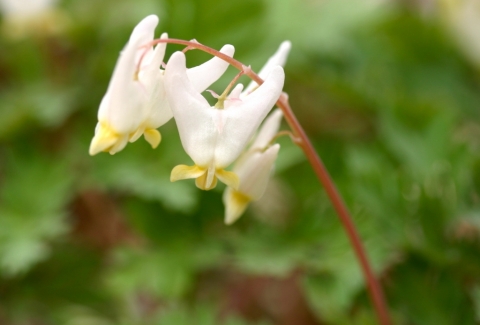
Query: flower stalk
{"x": 302, "y": 140}
{"x": 221, "y": 99}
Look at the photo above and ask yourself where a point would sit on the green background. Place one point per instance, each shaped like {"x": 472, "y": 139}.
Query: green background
{"x": 391, "y": 101}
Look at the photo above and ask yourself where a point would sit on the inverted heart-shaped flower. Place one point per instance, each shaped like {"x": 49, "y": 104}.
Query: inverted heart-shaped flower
{"x": 214, "y": 137}
{"x": 136, "y": 102}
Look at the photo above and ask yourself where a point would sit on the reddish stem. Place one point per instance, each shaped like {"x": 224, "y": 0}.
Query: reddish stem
{"x": 374, "y": 288}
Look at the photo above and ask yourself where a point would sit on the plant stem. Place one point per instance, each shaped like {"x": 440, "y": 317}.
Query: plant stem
{"x": 374, "y": 288}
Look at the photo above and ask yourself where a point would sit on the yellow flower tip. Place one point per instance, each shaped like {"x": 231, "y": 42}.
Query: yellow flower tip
{"x": 180, "y": 172}
{"x": 235, "y": 205}
{"x": 153, "y": 137}
{"x": 104, "y": 140}
{"x": 99, "y": 144}
{"x": 202, "y": 183}
{"x": 135, "y": 135}
{"x": 228, "y": 178}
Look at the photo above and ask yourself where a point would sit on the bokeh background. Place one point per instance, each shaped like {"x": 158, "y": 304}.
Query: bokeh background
{"x": 389, "y": 92}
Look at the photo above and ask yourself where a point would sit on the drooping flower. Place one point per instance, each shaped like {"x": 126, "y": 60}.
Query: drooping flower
{"x": 215, "y": 136}
{"x": 253, "y": 169}
{"x": 135, "y": 103}
{"x": 255, "y": 165}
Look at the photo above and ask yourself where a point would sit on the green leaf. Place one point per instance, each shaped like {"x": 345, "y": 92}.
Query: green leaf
{"x": 34, "y": 196}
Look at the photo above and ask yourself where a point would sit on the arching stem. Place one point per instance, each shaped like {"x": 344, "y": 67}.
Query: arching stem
{"x": 374, "y": 288}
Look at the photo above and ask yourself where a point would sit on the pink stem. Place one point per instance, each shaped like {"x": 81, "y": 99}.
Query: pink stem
{"x": 374, "y": 288}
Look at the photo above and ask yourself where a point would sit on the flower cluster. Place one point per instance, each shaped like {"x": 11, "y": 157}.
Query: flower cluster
{"x": 142, "y": 96}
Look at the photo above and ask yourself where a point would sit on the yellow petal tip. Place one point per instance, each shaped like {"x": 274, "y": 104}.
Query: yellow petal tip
{"x": 100, "y": 144}
{"x": 235, "y": 205}
{"x": 180, "y": 172}
{"x": 201, "y": 183}
{"x": 105, "y": 139}
{"x": 153, "y": 137}
{"x": 228, "y": 178}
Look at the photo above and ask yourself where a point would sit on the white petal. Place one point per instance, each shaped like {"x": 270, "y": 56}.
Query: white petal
{"x": 235, "y": 93}
{"x": 192, "y": 112}
{"x": 207, "y": 73}
{"x": 153, "y": 79}
{"x": 268, "y": 130}
{"x": 234, "y": 96}
{"x": 159, "y": 108}
{"x": 145, "y": 29}
{"x": 103, "y": 110}
{"x": 279, "y": 58}
{"x": 123, "y": 107}
{"x": 159, "y": 53}
{"x": 144, "y": 33}
{"x": 235, "y": 205}
{"x": 254, "y": 172}
{"x": 119, "y": 145}
{"x": 243, "y": 119}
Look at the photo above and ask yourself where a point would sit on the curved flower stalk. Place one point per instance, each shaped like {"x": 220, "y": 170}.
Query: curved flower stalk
{"x": 26, "y": 17}
{"x": 135, "y": 103}
{"x": 212, "y": 142}
{"x": 253, "y": 168}
{"x": 215, "y": 136}
{"x": 278, "y": 58}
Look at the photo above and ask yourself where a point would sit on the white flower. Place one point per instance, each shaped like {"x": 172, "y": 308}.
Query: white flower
{"x": 255, "y": 165}
{"x": 253, "y": 169}
{"x": 135, "y": 102}
{"x": 214, "y": 137}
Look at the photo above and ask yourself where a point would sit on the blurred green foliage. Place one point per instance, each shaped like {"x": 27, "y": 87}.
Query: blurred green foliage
{"x": 390, "y": 101}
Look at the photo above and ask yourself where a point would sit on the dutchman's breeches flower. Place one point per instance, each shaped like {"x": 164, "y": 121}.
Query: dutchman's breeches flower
{"x": 253, "y": 169}
{"x": 255, "y": 165}
{"x": 135, "y": 103}
{"x": 215, "y": 136}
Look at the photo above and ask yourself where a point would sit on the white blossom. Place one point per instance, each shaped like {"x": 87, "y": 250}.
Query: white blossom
{"x": 253, "y": 168}
{"x": 255, "y": 165}
{"x": 135, "y": 103}
{"x": 215, "y": 136}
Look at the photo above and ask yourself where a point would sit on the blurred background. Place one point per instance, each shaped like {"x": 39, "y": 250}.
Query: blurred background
{"x": 389, "y": 92}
